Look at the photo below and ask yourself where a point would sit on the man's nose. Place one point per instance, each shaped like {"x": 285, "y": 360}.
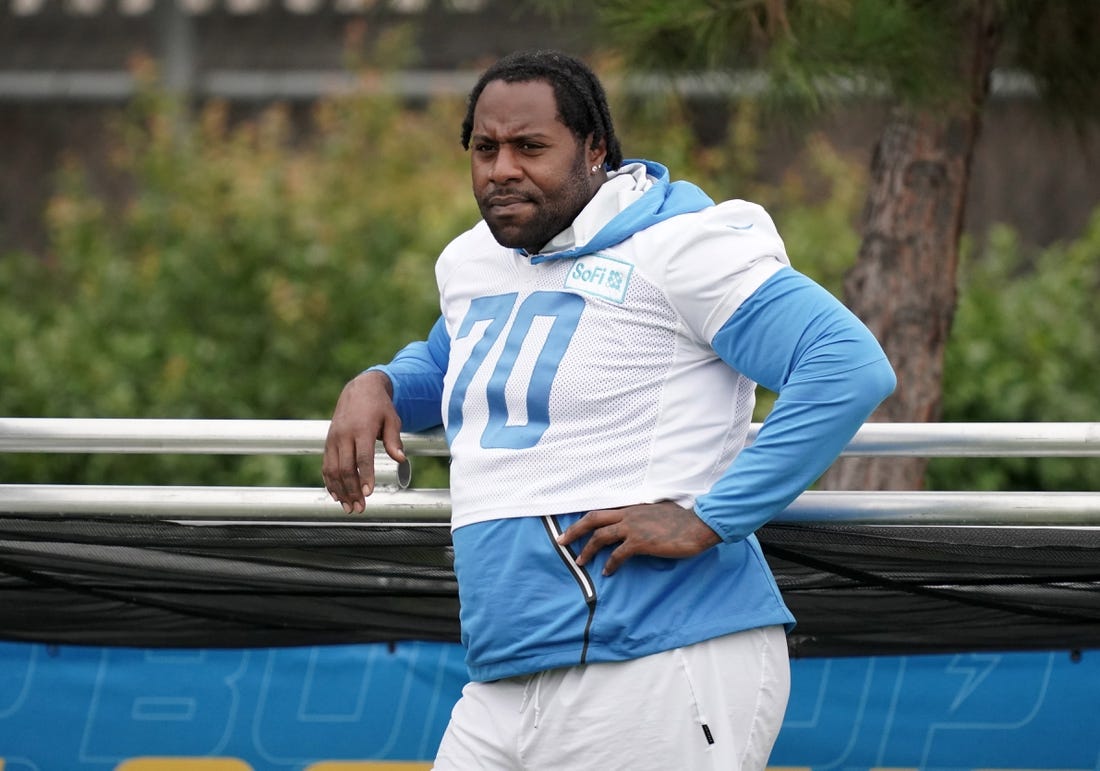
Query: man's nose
{"x": 506, "y": 166}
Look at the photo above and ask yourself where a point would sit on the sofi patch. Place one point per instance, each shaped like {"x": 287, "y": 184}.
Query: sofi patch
{"x": 600, "y": 276}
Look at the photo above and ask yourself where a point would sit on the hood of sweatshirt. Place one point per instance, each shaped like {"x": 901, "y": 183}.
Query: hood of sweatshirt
{"x": 634, "y": 198}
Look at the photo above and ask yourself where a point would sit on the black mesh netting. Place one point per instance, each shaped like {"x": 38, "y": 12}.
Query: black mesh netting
{"x": 166, "y": 584}
{"x": 856, "y": 589}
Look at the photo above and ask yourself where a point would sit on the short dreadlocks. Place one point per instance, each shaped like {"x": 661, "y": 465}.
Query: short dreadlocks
{"x": 582, "y": 103}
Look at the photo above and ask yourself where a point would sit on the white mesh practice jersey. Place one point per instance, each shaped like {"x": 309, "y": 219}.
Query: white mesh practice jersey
{"x": 588, "y": 381}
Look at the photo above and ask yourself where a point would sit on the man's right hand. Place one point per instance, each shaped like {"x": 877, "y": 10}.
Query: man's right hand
{"x": 364, "y": 413}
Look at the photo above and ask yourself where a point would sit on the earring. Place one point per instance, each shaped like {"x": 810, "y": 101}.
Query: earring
{"x": 595, "y": 169}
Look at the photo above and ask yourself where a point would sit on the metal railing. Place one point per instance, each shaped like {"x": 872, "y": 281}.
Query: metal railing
{"x": 395, "y": 502}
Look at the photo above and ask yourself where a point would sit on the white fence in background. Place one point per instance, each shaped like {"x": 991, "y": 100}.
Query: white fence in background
{"x": 394, "y": 502}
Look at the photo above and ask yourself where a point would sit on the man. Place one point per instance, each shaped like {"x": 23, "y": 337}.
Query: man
{"x": 601, "y": 337}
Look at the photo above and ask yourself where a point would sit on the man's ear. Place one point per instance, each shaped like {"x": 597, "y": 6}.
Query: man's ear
{"x": 597, "y": 152}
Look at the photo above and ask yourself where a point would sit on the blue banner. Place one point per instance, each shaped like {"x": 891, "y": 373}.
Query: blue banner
{"x": 381, "y": 708}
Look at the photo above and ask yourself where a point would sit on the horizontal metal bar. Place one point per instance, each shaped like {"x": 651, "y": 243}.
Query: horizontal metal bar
{"x": 263, "y": 504}
{"x": 297, "y": 84}
{"x": 253, "y": 437}
{"x": 243, "y": 85}
{"x": 168, "y": 436}
{"x": 947, "y": 440}
{"x": 88, "y": 9}
{"x": 388, "y": 473}
{"x": 1081, "y": 509}
{"x": 267, "y": 504}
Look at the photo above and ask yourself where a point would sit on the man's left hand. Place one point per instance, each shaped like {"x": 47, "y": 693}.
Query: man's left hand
{"x": 657, "y": 529}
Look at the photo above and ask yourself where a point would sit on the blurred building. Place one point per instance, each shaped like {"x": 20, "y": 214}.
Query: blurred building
{"x": 64, "y": 64}
{"x": 81, "y": 50}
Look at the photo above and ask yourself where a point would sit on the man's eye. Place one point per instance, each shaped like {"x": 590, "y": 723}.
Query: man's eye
{"x": 483, "y": 148}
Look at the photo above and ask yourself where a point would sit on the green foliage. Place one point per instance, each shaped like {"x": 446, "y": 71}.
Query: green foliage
{"x": 1025, "y": 347}
{"x": 248, "y": 275}
{"x": 816, "y": 51}
{"x": 812, "y": 50}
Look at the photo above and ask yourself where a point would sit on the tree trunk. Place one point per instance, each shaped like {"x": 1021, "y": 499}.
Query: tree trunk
{"x": 903, "y": 284}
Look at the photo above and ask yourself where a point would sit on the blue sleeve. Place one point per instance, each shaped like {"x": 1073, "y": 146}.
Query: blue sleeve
{"x": 416, "y": 373}
{"x": 830, "y": 373}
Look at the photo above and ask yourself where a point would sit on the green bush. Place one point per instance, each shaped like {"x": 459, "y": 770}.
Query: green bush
{"x": 247, "y": 275}
{"x": 1025, "y": 347}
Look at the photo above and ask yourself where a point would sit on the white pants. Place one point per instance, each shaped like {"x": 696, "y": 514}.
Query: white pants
{"x": 717, "y": 704}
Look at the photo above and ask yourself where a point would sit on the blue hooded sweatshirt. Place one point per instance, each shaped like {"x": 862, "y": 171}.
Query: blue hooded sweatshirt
{"x": 525, "y": 604}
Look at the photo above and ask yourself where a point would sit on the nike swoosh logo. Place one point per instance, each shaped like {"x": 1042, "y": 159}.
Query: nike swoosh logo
{"x": 740, "y": 227}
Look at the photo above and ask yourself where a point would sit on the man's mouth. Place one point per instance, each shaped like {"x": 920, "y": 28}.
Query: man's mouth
{"x": 506, "y": 204}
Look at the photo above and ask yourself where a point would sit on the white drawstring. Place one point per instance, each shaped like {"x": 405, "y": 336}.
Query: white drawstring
{"x": 526, "y": 694}
{"x": 537, "y": 680}
{"x": 538, "y": 697}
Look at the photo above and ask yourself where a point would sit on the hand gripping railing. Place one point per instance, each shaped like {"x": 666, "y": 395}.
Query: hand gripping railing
{"x": 394, "y": 502}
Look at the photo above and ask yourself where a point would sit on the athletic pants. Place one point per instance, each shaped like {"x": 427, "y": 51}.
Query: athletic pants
{"x": 717, "y": 704}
